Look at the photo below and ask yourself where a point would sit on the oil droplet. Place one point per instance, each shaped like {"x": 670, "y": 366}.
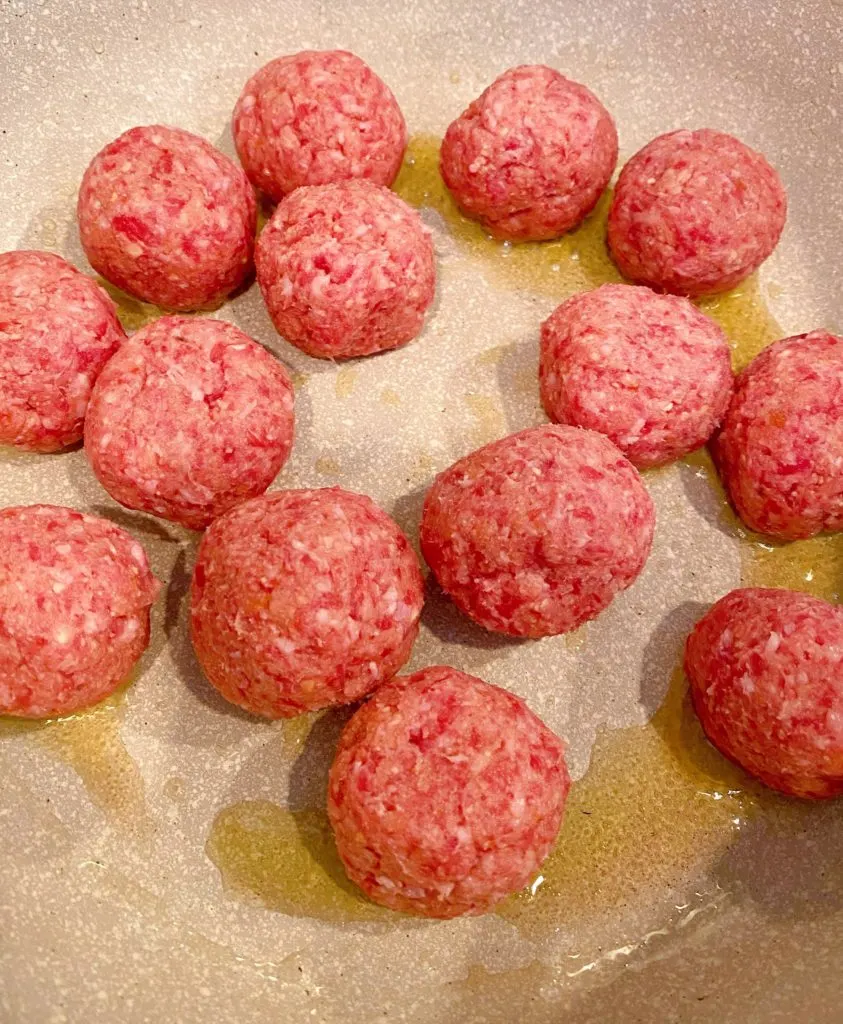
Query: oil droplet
{"x": 295, "y": 732}
{"x": 491, "y": 423}
{"x": 173, "y": 788}
{"x": 814, "y": 566}
{"x": 657, "y": 805}
{"x": 492, "y": 356}
{"x": 345, "y": 381}
{"x": 743, "y": 315}
{"x": 573, "y": 263}
{"x": 390, "y": 397}
{"x": 298, "y": 378}
{"x": 133, "y": 313}
{"x": 91, "y": 744}
{"x": 287, "y": 861}
{"x": 326, "y": 466}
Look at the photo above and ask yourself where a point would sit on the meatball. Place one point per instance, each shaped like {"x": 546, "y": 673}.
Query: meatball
{"x": 649, "y": 371}
{"x": 314, "y": 118}
{"x": 446, "y": 794}
{"x": 303, "y": 599}
{"x": 346, "y": 270}
{"x": 57, "y": 329}
{"x": 530, "y": 157}
{"x": 535, "y": 534}
{"x": 779, "y": 451}
{"x": 695, "y": 213}
{"x": 168, "y": 218}
{"x": 75, "y": 594}
{"x": 188, "y": 419}
{"x": 766, "y": 675}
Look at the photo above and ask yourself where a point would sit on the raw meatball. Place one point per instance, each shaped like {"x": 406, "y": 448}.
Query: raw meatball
{"x": 695, "y": 213}
{"x": 530, "y": 157}
{"x": 317, "y": 117}
{"x": 766, "y": 674}
{"x": 346, "y": 270}
{"x": 780, "y": 452}
{"x": 57, "y": 329}
{"x": 75, "y": 594}
{"x": 190, "y": 418}
{"x": 445, "y": 794}
{"x": 303, "y": 599}
{"x": 168, "y": 218}
{"x": 535, "y": 534}
{"x": 649, "y": 371}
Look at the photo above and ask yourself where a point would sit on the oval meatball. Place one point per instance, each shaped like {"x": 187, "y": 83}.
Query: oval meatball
{"x": 536, "y": 533}
{"x": 75, "y": 594}
{"x": 317, "y": 117}
{"x": 303, "y": 599}
{"x": 190, "y": 418}
{"x": 649, "y": 371}
{"x": 346, "y": 270}
{"x": 766, "y": 675}
{"x": 168, "y": 218}
{"x": 531, "y": 155}
{"x": 57, "y": 330}
{"x": 779, "y": 451}
{"x": 695, "y": 213}
{"x": 446, "y": 794}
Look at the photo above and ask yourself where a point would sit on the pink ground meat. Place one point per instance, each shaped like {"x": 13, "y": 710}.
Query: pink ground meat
{"x": 317, "y": 117}
{"x": 446, "y": 794}
{"x": 766, "y": 674}
{"x": 190, "y": 418}
{"x": 75, "y": 594}
{"x": 531, "y": 156}
{"x": 649, "y": 371}
{"x": 780, "y": 451}
{"x": 535, "y": 534}
{"x": 57, "y": 329}
{"x": 695, "y": 213}
{"x": 168, "y": 218}
{"x": 302, "y": 600}
{"x": 346, "y": 270}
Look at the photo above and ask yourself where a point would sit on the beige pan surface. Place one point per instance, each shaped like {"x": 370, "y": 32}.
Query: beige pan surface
{"x": 165, "y": 858}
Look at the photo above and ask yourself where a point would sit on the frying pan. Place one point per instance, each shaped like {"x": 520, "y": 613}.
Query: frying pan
{"x": 164, "y": 858}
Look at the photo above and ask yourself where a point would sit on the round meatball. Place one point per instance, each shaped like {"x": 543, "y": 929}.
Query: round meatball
{"x": 302, "y": 600}
{"x": 531, "y": 155}
{"x": 695, "y": 213}
{"x": 346, "y": 270}
{"x": 190, "y": 418}
{"x": 766, "y": 675}
{"x": 535, "y": 534}
{"x": 317, "y": 117}
{"x": 649, "y": 371}
{"x": 57, "y": 329}
{"x": 446, "y": 794}
{"x": 779, "y": 451}
{"x": 75, "y": 594}
{"x": 168, "y": 218}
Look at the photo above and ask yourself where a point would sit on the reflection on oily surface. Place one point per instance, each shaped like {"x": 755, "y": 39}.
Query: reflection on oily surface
{"x": 90, "y": 743}
{"x": 287, "y": 861}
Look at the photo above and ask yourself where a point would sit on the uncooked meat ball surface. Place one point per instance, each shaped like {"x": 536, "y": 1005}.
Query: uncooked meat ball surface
{"x": 57, "y": 329}
{"x": 446, "y": 794}
{"x": 75, "y": 594}
{"x": 190, "y": 418}
{"x": 766, "y": 675}
{"x": 649, "y": 371}
{"x": 168, "y": 218}
{"x": 531, "y": 156}
{"x": 536, "y": 533}
{"x": 303, "y": 599}
{"x": 346, "y": 270}
{"x": 780, "y": 451}
{"x": 317, "y": 117}
{"x": 695, "y": 212}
